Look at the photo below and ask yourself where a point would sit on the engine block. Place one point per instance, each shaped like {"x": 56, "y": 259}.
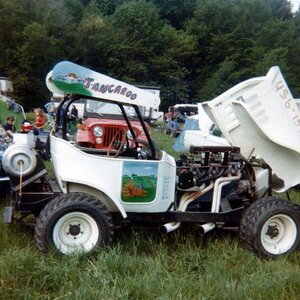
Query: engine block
{"x": 206, "y": 164}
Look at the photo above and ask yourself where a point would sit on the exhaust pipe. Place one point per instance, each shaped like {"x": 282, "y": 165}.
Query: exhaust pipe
{"x": 185, "y": 200}
{"x": 220, "y": 182}
{"x": 166, "y": 228}
{"x": 206, "y": 228}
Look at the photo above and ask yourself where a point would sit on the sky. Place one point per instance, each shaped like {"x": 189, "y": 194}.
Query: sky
{"x": 295, "y": 4}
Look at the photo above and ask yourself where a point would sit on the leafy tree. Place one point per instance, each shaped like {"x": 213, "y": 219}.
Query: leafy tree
{"x": 26, "y": 48}
{"x": 176, "y": 12}
{"x": 236, "y": 42}
{"x": 293, "y": 58}
{"x": 281, "y": 8}
{"x": 193, "y": 49}
{"x": 137, "y": 24}
{"x": 31, "y": 70}
{"x": 172, "y": 64}
{"x": 72, "y": 9}
{"x": 96, "y": 42}
{"x": 108, "y": 7}
{"x": 154, "y": 52}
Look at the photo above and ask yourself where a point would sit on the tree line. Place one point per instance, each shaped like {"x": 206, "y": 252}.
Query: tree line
{"x": 192, "y": 49}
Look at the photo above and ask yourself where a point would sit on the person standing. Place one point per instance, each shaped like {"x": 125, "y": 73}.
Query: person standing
{"x": 74, "y": 113}
{"x": 39, "y": 119}
{"x": 50, "y": 108}
{"x": 9, "y": 126}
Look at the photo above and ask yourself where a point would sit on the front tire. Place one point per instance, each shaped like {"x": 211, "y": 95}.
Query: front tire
{"x": 74, "y": 222}
{"x": 271, "y": 227}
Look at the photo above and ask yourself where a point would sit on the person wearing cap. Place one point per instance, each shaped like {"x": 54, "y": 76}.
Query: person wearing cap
{"x": 9, "y": 126}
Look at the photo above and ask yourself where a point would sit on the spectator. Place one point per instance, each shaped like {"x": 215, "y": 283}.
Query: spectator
{"x": 39, "y": 119}
{"x": 9, "y": 126}
{"x": 50, "y": 108}
{"x": 74, "y": 113}
{"x": 169, "y": 114}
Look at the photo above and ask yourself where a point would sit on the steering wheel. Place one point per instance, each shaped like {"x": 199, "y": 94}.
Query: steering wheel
{"x": 120, "y": 143}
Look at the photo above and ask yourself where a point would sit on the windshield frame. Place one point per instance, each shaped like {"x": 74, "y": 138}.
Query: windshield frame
{"x": 66, "y": 103}
{"x": 96, "y": 108}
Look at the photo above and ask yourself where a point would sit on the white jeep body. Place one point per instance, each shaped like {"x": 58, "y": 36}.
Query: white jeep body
{"x": 84, "y": 172}
{"x": 126, "y": 184}
{"x": 261, "y": 116}
{"x": 133, "y": 183}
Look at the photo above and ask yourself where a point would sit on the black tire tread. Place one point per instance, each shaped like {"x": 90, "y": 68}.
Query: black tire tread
{"x": 66, "y": 199}
{"x": 253, "y": 213}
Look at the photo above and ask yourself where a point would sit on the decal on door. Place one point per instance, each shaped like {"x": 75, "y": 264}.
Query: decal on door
{"x": 139, "y": 181}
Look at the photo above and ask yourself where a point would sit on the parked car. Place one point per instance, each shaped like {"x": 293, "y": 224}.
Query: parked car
{"x": 103, "y": 122}
{"x": 176, "y": 116}
{"x": 199, "y": 130}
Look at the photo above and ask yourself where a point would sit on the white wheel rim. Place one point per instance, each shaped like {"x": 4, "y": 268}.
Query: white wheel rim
{"x": 279, "y": 234}
{"x": 75, "y": 232}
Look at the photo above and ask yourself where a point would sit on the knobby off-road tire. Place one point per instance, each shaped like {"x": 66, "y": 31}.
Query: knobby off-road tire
{"x": 74, "y": 222}
{"x": 271, "y": 227}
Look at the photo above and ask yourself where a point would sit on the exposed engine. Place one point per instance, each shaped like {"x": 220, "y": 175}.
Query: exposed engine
{"x": 214, "y": 172}
{"x": 206, "y": 164}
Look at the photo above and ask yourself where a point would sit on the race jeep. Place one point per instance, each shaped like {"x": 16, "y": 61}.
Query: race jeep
{"x": 95, "y": 190}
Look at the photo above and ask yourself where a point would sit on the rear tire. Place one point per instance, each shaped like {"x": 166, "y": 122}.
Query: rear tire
{"x": 74, "y": 222}
{"x": 271, "y": 227}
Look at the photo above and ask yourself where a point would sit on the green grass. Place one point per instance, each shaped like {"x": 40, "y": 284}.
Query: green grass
{"x": 163, "y": 141}
{"x": 142, "y": 264}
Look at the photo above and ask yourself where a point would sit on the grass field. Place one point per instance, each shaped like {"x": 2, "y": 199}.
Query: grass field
{"x": 142, "y": 264}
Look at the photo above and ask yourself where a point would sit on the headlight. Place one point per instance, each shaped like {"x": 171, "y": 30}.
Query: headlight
{"x": 98, "y": 131}
{"x": 98, "y": 140}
